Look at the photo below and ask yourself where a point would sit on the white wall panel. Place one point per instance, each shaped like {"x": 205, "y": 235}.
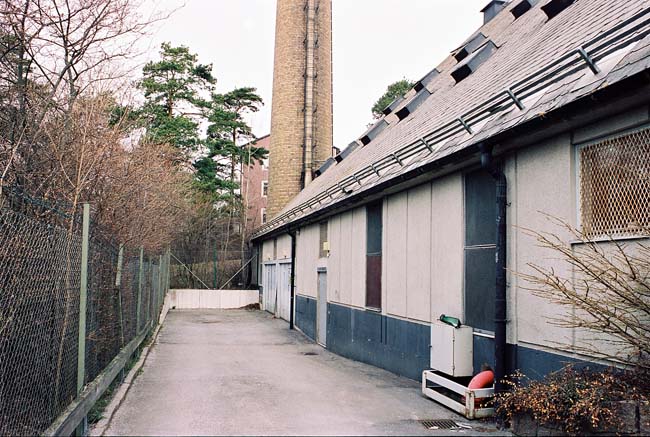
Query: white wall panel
{"x": 396, "y": 253}
{"x": 284, "y": 247}
{"x": 267, "y": 250}
{"x": 418, "y": 267}
{"x": 447, "y": 246}
{"x": 334, "y": 261}
{"x": 545, "y": 184}
{"x": 358, "y": 258}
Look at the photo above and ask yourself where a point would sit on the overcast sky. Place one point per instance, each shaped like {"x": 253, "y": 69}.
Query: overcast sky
{"x": 375, "y": 43}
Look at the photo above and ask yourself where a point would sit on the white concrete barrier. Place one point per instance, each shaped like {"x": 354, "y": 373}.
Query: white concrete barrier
{"x": 218, "y": 299}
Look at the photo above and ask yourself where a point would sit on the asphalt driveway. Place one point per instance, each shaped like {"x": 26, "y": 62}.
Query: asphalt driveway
{"x": 243, "y": 372}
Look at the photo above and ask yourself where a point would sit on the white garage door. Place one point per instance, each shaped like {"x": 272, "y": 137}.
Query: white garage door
{"x": 269, "y": 284}
{"x": 284, "y": 290}
{"x": 277, "y": 289}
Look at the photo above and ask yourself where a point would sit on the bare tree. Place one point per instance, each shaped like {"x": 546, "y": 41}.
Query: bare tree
{"x": 608, "y": 293}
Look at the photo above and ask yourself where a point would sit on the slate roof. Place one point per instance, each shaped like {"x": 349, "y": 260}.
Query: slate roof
{"x": 537, "y": 60}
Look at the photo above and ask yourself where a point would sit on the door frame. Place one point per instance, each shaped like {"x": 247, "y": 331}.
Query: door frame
{"x": 319, "y": 271}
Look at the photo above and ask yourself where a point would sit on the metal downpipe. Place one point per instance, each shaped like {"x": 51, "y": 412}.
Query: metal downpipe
{"x": 500, "y": 268}
{"x": 292, "y": 278}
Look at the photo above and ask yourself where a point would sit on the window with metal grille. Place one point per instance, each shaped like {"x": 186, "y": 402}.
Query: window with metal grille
{"x": 615, "y": 186}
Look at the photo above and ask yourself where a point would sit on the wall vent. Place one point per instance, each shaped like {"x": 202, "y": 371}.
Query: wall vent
{"x": 522, "y": 7}
{"x": 492, "y": 9}
{"x": 328, "y": 163}
{"x": 345, "y": 152}
{"x": 417, "y": 100}
{"x": 468, "y": 48}
{"x": 554, "y": 7}
{"x": 394, "y": 104}
{"x": 374, "y": 131}
{"x": 472, "y": 63}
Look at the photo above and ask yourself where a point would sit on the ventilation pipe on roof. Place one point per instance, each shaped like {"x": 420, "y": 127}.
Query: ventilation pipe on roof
{"x": 500, "y": 266}
{"x": 492, "y": 9}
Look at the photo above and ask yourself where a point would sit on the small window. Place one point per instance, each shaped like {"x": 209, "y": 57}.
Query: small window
{"x": 265, "y": 188}
{"x": 263, "y": 214}
{"x": 374, "y": 225}
{"x": 323, "y": 246}
{"x": 615, "y": 186}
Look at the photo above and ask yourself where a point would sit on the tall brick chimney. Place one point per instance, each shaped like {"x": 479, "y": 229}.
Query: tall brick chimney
{"x": 301, "y": 111}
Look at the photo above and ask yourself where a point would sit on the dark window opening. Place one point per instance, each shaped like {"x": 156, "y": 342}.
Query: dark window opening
{"x": 374, "y": 225}
{"x": 403, "y": 113}
{"x": 554, "y": 7}
{"x": 522, "y": 7}
{"x": 480, "y": 249}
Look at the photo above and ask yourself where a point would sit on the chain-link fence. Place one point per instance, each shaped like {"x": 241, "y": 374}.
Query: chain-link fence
{"x": 207, "y": 267}
{"x": 41, "y": 283}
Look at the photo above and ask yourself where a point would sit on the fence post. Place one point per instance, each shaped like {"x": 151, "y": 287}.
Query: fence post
{"x": 169, "y": 262}
{"x": 139, "y": 302}
{"x": 161, "y": 269}
{"x": 83, "y": 298}
{"x": 118, "y": 286}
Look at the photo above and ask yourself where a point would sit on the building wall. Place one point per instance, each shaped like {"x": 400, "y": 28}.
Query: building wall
{"x": 423, "y": 262}
{"x": 288, "y": 103}
{"x": 307, "y": 261}
{"x": 282, "y": 248}
{"x": 346, "y": 265}
{"x": 253, "y": 176}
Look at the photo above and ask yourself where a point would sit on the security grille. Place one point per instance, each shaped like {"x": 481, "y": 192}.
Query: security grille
{"x": 615, "y": 186}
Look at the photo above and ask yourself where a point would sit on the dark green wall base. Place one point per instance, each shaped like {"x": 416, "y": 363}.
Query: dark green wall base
{"x": 533, "y": 363}
{"x": 402, "y": 347}
{"x": 306, "y": 315}
{"x": 370, "y": 337}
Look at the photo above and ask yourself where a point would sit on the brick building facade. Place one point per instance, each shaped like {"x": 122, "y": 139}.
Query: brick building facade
{"x": 255, "y": 186}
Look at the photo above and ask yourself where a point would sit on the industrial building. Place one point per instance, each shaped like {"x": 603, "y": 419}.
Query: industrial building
{"x": 425, "y": 213}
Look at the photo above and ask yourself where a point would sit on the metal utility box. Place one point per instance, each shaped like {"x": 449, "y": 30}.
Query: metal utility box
{"x": 452, "y": 349}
